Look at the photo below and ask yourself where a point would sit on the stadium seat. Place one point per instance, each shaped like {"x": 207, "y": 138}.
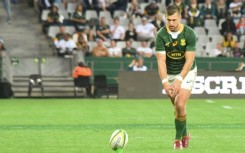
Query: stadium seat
{"x": 137, "y": 21}
{"x": 220, "y": 23}
{"x": 60, "y": 6}
{"x": 91, "y": 45}
{"x": 35, "y": 81}
{"x": 121, "y": 44}
{"x": 242, "y": 38}
{"x": 71, "y": 7}
{"x": 210, "y": 49}
{"x": 203, "y": 39}
{"x": 64, "y": 14}
{"x": 106, "y": 14}
{"x": 200, "y": 50}
{"x": 200, "y": 31}
{"x": 124, "y": 22}
{"x": 184, "y": 21}
{"x": 136, "y": 44}
{"x": 213, "y": 31}
{"x": 53, "y": 30}
{"x": 70, "y": 29}
{"x": 210, "y": 23}
{"x": 216, "y": 38}
{"x": 44, "y": 16}
{"x": 100, "y": 86}
{"x": 162, "y": 7}
{"x": 82, "y": 82}
{"x": 90, "y": 14}
{"x": 119, "y": 13}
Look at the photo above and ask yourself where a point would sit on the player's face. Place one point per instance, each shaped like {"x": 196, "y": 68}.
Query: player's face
{"x": 173, "y": 22}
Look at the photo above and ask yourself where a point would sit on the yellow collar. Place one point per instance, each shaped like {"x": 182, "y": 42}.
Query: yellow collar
{"x": 180, "y": 30}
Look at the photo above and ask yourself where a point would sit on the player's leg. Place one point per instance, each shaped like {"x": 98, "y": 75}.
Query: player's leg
{"x": 180, "y": 118}
{"x": 180, "y": 108}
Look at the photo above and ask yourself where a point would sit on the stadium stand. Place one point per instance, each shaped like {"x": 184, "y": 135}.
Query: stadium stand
{"x": 27, "y": 42}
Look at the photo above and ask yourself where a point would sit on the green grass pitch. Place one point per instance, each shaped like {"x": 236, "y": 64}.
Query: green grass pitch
{"x": 85, "y": 125}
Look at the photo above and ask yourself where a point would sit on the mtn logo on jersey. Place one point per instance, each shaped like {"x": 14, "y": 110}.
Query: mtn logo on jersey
{"x": 176, "y": 54}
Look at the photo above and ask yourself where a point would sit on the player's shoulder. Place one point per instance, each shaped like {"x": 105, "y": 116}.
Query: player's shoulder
{"x": 162, "y": 30}
{"x": 189, "y": 30}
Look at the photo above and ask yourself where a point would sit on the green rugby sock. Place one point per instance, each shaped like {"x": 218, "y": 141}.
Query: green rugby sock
{"x": 180, "y": 126}
{"x": 185, "y": 130}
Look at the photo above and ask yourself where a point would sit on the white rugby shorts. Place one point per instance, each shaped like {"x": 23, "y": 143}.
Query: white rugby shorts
{"x": 188, "y": 82}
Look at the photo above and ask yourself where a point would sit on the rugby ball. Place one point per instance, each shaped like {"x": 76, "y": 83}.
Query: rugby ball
{"x": 118, "y": 139}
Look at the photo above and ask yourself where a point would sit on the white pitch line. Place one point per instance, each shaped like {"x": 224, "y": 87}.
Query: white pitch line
{"x": 227, "y": 107}
{"x": 209, "y": 101}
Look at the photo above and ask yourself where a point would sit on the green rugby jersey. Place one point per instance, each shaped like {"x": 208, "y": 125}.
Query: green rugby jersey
{"x": 176, "y": 48}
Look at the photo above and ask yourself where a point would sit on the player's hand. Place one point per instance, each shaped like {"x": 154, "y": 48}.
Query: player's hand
{"x": 167, "y": 88}
{"x": 175, "y": 87}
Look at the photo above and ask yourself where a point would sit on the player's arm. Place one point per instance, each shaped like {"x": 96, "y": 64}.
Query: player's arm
{"x": 161, "y": 61}
{"x": 189, "y": 57}
{"x": 189, "y": 54}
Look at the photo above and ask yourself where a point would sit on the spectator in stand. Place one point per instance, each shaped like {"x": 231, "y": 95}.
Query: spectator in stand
{"x": 82, "y": 70}
{"x": 243, "y": 8}
{"x": 65, "y": 46}
{"x": 2, "y": 48}
{"x": 151, "y": 9}
{"x": 6, "y": 4}
{"x": 82, "y": 47}
{"x": 134, "y": 10}
{"x": 137, "y": 65}
{"x": 43, "y": 5}
{"x": 243, "y": 49}
{"x": 221, "y": 9}
{"x": 100, "y": 50}
{"x": 240, "y": 27}
{"x": 228, "y": 25}
{"x": 54, "y": 18}
{"x": 118, "y": 5}
{"x": 144, "y": 50}
{"x": 104, "y": 5}
{"x": 235, "y": 9}
{"x": 145, "y": 31}
{"x": 158, "y": 22}
{"x": 228, "y": 43}
{"x": 240, "y": 67}
{"x": 208, "y": 10}
{"x": 131, "y": 33}
{"x": 80, "y": 33}
{"x": 236, "y": 50}
{"x": 91, "y": 5}
{"x": 117, "y": 31}
{"x": 61, "y": 34}
{"x": 103, "y": 30}
{"x": 114, "y": 51}
{"x": 129, "y": 51}
{"x": 182, "y": 6}
{"x": 219, "y": 50}
{"x": 193, "y": 19}
{"x": 78, "y": 18}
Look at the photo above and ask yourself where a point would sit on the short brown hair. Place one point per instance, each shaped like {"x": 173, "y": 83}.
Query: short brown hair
{"x": 171, "y": 9}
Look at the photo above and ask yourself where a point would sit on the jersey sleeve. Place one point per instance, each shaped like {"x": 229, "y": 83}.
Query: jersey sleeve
{"x": 159, "y": 43}
{"x": 191, "y": 41}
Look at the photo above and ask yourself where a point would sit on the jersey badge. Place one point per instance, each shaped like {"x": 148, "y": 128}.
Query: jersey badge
{"x": 182, "y": 42}
{"x": 167, "y": 44}
{"x": 175, "y": 43}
